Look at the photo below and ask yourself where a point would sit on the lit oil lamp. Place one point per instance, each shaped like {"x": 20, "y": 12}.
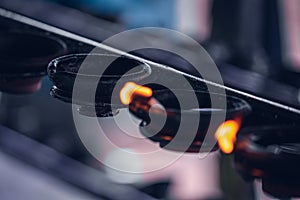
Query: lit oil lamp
{"x": 272, "y": 154}
{"x": 142, "y": 101}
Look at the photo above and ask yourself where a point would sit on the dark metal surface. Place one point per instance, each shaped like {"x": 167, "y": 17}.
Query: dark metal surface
{"x": 63, "y": 71}
{"x": 273, "y": 103}
{"x": 77, "y": 27}
{"x": 272, "y": 155}
{"x": 234, "y": 89}
{"x": 236, "y": 109}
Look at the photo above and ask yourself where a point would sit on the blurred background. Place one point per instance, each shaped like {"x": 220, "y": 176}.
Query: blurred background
{"x": 250, "y": 36}
{"x": 262, "y": 36}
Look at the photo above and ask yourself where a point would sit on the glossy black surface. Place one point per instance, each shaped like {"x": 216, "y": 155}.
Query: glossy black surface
{"x": 273, "y": 155}
{"x": 236, "y": 109}
{"x": 273, "y": 103}
{"x": 64, "y": 70}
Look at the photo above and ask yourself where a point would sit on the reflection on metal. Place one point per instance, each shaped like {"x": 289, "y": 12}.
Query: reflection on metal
{"x": 35, "y": 23}
{"x": 64, "y": 71}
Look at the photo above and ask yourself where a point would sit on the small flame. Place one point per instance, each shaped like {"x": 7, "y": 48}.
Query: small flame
{"x": 226, "y": 135}
{"x": 130, "y": 89}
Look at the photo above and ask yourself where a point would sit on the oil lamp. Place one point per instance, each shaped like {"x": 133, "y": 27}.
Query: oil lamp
{"x": 64, "y": 70}
{"x": 142, "y": 105}
{"x": 272, "y": 154}
{"x": 23, "y": 59}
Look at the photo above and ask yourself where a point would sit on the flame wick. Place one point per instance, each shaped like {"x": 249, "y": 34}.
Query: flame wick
{"x": 226, "y": 135}
{"x": 131, "y": 89}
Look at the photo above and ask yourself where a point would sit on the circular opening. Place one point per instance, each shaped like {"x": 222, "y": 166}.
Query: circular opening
{"x": 63, "y": 72}
{"x": 168, "y": 99}
{"x": 265, "y": 137}
{"x": 116, "y": 66}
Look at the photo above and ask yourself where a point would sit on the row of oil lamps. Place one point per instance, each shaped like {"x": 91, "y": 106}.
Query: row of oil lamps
{"x": 269, "y": 153}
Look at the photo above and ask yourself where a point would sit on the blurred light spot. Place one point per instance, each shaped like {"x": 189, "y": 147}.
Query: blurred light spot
{"x": 226, "y": 135}
{"x": 130, "y": 89}
{"x": 123, "y": 166}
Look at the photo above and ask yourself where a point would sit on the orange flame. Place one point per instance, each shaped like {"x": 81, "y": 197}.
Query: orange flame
{"x": 226, "y": 135}
{"x": 130, "y": 89}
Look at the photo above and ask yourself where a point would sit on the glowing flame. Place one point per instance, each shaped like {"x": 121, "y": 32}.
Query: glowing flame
{"x": 130, "y": 89}
{"x": 226, "y": 135}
